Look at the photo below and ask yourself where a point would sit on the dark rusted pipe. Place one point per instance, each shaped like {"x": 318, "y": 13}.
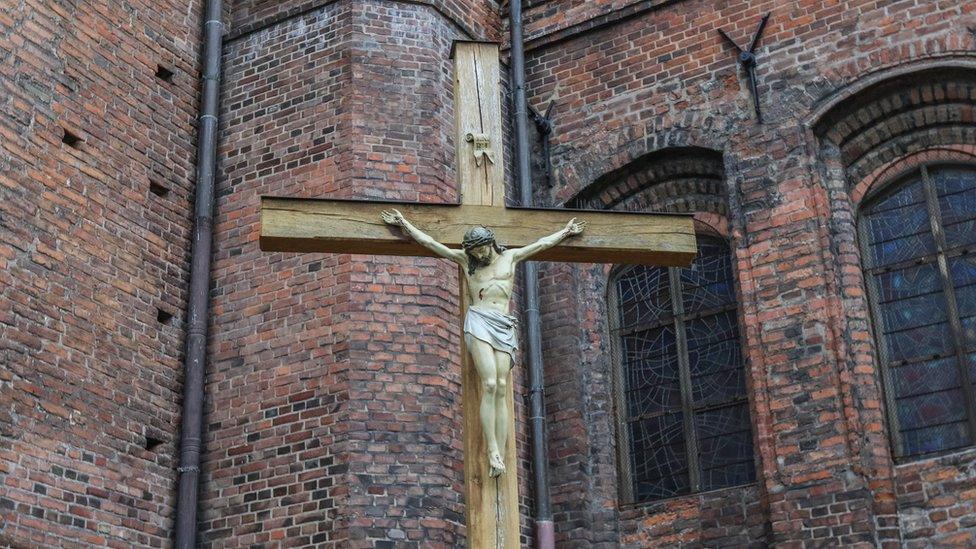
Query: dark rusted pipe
{"x": 198, "y": 307}
{"x": 540, "y": 458}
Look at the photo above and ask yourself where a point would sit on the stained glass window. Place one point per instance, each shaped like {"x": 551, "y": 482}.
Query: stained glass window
{"x": 684, "y": 418}
{"x": 918, "y": 239}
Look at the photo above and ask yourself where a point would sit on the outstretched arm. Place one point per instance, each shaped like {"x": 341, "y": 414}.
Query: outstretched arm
{"x": 572, "y": 228}
{"x": 394, "y": 217}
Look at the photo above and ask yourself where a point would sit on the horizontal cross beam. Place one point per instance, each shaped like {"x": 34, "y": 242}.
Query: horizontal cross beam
{"x": 354, "y": 226}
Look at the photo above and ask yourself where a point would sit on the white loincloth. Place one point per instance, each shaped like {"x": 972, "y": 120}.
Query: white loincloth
{"x": 496, "y": 329}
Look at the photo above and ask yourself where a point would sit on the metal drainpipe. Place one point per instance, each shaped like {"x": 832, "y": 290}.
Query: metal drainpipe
{"x": 198, "y": 307}
{"x": 544, "y": 528}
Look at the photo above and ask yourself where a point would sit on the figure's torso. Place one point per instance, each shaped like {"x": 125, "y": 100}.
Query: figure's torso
{"x": 491, "y": 286}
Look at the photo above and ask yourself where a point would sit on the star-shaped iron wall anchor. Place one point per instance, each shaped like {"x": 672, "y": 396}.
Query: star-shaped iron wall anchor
{"x": 747, "y": 58}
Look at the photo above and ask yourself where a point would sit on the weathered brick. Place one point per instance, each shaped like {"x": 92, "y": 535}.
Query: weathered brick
{"x": 89, "y": 252}
{"x": 333, "y": 410}
{"x": 817, "y": 400}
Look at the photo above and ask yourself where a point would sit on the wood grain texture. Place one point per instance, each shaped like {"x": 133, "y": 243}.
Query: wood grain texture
{"x": 477, "y": 105}
{"x": 491, "y": 505}
{"x": 338, "y": 226}
{"x": 489, "y": 502}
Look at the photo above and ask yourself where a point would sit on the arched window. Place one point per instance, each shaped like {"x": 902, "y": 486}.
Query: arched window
{"x": 917, "y": 239}
{"x": 683, "y": 417}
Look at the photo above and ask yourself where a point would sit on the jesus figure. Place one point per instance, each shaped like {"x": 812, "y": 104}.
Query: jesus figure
{"x": 489, "y": 331}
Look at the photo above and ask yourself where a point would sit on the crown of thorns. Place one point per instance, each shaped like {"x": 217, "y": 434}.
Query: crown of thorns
{"x": 478, "y": 236}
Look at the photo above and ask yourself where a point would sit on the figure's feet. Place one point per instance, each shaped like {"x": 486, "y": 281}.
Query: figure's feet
{"x": 496, "y": 464}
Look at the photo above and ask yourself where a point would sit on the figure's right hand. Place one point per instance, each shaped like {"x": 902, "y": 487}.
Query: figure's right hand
{"x": 575, "y": 227}
{"x": 392, "y": 217}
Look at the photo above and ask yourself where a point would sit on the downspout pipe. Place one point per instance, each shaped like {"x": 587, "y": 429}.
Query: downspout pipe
{"x": 198, "y": 307}
{"x": 544, "y": 528}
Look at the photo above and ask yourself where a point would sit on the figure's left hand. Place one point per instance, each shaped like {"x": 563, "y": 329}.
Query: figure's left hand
{"x": 575, "y": 227}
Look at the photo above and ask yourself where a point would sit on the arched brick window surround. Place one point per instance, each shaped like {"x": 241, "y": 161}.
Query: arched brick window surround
{"x": 901, "y": 116}
{"x": 918, "y": 238}
{"x": 948, "y": 154}
{"x": 678, "y": 179}
{"x": 689, "y": 180}
{"x": 876, "y": 135}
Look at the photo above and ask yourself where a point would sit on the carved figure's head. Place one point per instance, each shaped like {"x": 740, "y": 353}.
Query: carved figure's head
{"x": 477, "y": 236}
{"x": 479, "y": 243}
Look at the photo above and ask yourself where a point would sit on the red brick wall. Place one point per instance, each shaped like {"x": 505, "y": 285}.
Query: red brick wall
{"x": 551, "y": 20}
{"x": 88, "y": 255}
{"x": 477, "y": 19}
{"x": 276, "y": 382}
{"x": 633, "y": 81}
{"x": 333, "y": 392}
{"x": 937, "y": 501}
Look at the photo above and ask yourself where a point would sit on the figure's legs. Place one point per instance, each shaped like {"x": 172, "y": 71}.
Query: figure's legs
{"x": 503, "y": 371}
{"x": 483, "y": 356}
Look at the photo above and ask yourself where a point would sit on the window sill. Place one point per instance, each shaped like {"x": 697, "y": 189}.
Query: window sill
{"x": 649, "y": 506}
{"x": 959, "y": 456}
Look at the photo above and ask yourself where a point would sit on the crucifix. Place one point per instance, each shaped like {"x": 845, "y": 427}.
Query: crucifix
{"x": 468, "y": 233}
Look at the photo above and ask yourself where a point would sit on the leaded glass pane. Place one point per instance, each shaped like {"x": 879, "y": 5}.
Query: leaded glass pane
{"x": 648, "y": 489}
{"x": 712, "y": 329}
{"x": 730, "y": 475}
{"x": 898, "y": 223}
{"x": 715, "y": 356}
{"x": 652, "y": 399}
{"x": 935, "y": 439}
{"x": 957, "y": 201}
{"x": 649, "y": 355}
{"x": 969, "y": 332}
{"x": 966, "y": 300}
{"x": 659, "y": 457}
{"x": 726, "y": 450}
{"x": 925, "y": 377}
{"x": 931, "y": 409}
{"x": 715, "y": 359}
{"x": 660, "y": 431}
{"x": 718, "y": 388}
{"x": 952, "y": 180}
{"x": 644, "y": 296}
{"x": 913, "y": 312}
{"x": 960, "y": 234}
{"x": 958, "y": 208}
{"x": 707, "y": 284}
{"x": 910, "y": 193}
{"x": 898, "y": 227}
{"x": 911, "y": 308}
{"x": 652, "y": 376}
{"x": 926, "y": 341}
{"x": 962, "y": 270}
{"x": 909, "y": 282}
{"x": 722, "y": 421}
{"x": 654, "y": 404}
{"x": 902, "y": 249}
{"x": 725, "y": 446}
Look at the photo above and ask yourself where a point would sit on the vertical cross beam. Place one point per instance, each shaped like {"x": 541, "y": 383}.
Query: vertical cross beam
{"x": 491, "y": 504}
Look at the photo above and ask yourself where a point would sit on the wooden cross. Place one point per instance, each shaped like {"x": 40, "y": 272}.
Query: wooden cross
{"x": 354, "y": 226}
